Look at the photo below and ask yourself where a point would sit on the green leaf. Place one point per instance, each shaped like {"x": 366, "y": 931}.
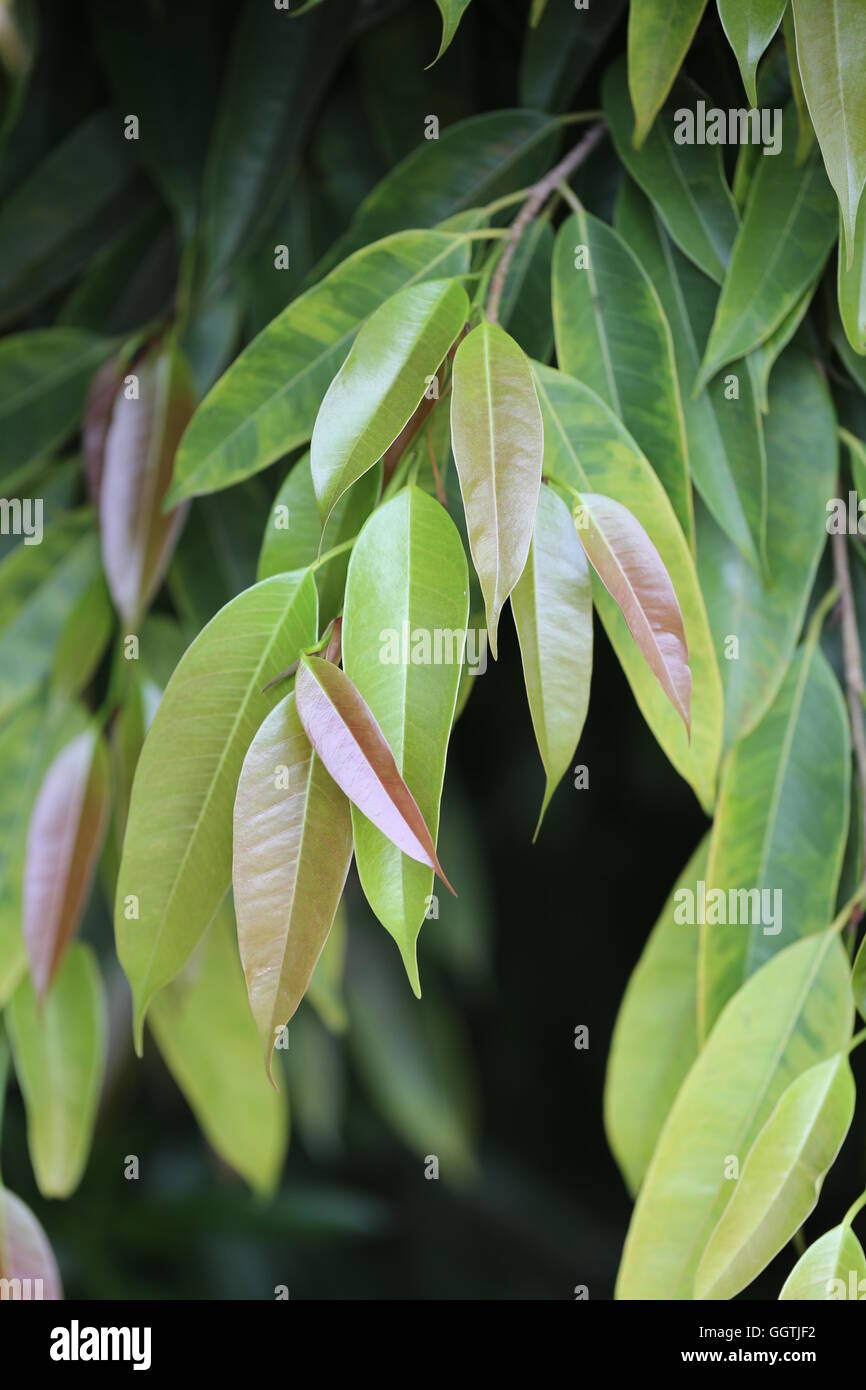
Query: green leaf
{"x": 805, "y": 129}
{"x": 525, "y": 305}
{"x": 407, "y": 596}
{"x": 725, "y": 438}
{"x": 765, "y": 618}
{"x": 44, "y": 378}
{"x": 851, "y": 288}
{"x": 561, "y": 50}
{"x": 835, "y": 1256}
{"x": 552, "y": 606}
{"x": 750, "y": 28}
{"x": 325, "y": 990}
{"x": 794, "y": 1012}
{"x": 781, "y": 1178}
{"x": 176, "y": 863}
{"x": 831, "y": 47}
{"x": 498, "y": 444}
{"x": 59, "y": 1048}
{"x": 452, "y": 13}
{"x": 292, "y": 848}
{"x": 686, "y": 183}
{"x": 780, "y": 829}
{"x": 765, "y": 356}
{"x": 376, "y": 391}
{"x": 267, "y": 402}
{"x": 612, "y": 334}
{"x": 83, "y": 641}
{"x": 204, "y": 1030}
{"x": 586, "y": 448}
{"x": 789, "y": 226}
{"x": 25, "y": 1253}
{"x": 655, "y": 1039}
{"x": 858, "y": 980}
{"x": 659, "y": 35}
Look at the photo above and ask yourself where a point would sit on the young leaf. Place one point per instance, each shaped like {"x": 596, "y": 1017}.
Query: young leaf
{"x": 452, "y": 12}
{"x": 831, "y": 44}
{"x": 44, "y": 378}
{"x": 176, "y": 865}
{"x": 792, "y": 1013}
{"x": 586, "y": 447}
{"x": 686, "y": 183}
{"x": 138, "y": 537}
{"x": 498, "y": 444}
{"x": 59, "y": 1047}
{"x": 267, "y": 401}
{"x": 655, "y": 1039}
{"x": 781, "y": 1178}
{"x": 788, "y": 229}
{"x": 64, "y": 839}
{"x": 292, "y": 849}
{"x": 612, "y": 334}
{"x": 390, "y": 365}
{"x": 633, "y": 572}
{"x": 207, "y": 1038}
{"x": 659, "y": 35}
{"x": 552, "y": 606}
{"x": 404, "y": 626}
{"x": 749, "y": 29}
{"x": 836, "y": 1256}
{"x": 25, "y": 1254}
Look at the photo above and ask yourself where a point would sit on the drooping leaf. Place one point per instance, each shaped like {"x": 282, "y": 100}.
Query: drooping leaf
{"x": 781, "y": 1178}
{"x": 404, "y": 629}
{"x": 858, "y": 980}
{"x": 561, "y": 49}
{"x": 755, "y": 625}
{"x": 805, "y": 129}
{"x": 686, "y": 183}
{"x": 176, "y": 865}
{"x": 655, "y": 1039}
{"x": 762, "y": 360}
{"x": 59, "y": 1046}
{"x": 44, "y": 378}
{"x": 612, "y": 334}
{"x": 215, "y": 558}
{"x": 498, "y": 444}
{"x": 552, "y": 606}
{"x": 789, "y": 225}
{"x": 725, "y": 437}
{"x": 25, "y": 1254}
{"x": 452, "y": 13}
{"x": 292, "y": 848}
{"x": 325, "y": 990}
{"x": 659, "y": 35}
{"x": 792, "y": 1013}
{"x": 750, "y": 28}
{"x": 266, "y": 403}
{"x": 64, "y": 839}
{"x": 206, "y": 1035}
{"x": 83, "y": 640}
{"x": 586, "y": 448}
{"x": 779, "y": 833}
{"x": 851, "y": 288}
{"x": 136, "y": 270}
{"x": 831, "y": 49}
{"x": 138, "y": 537}
{"x": 376, "y": 391}
{"x": 525, "y": 309}
{"x": 835, "y": 1256}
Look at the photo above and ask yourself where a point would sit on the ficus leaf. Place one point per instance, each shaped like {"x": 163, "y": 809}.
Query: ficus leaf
{"x": 837, "y": 1255}
{"x": 552, "y": 606}
{"x": 44, "y": 376}
{"x": 64, "y": 840}
{"x": 659, "y": 35}
{"x": 390, "y": 365}
{"x": 176, "y": 865}
{"x": 851, "y": 288}
{"x": 750, "y": 28}
{"x": 805, "y": 129}
{"x": 633, "y": 572}
{"x": 561, "y": 50}
{"x": 292, "y": 849}
{"x": 25, "y": 1253}
{"x": 404, "y": 629}
{"x": 858, "y": 980}
{"x": 452, "y": 12}
{"x": 781, "y": 1178}
{"x": 59, "y": 1047}
{"x": 498, "y": 444}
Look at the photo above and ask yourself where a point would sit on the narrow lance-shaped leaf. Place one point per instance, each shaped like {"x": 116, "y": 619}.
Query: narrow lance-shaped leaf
{"x": 749, "y": 28}
{"x": 44, "y": 378}
{"x": 552, "y": 606}
{"x": 859, "y": 980}
{"x": 292, "y": 849}
{"x": 633, "y": 572}
{"x": 404, "y": 636}
{"x": 831, "y": 51}
{"x": 376, "y": 391}
{"x": 833, "y": 1267}
{"x": 452, "y": 12}
{"x": 805, "y": 129}
{"x": 25, "y": 1254}
{"x": 498, "y": 444}
{"x": 177, "y": 854}
{"x": 63, "y": 844}
{"x": 781, "y": 1178}
{"x": 138, "y": 537}
{"x": 59, "y": 1049}
{"x": 659, "y": 35}
{"x": 851, "y": 288}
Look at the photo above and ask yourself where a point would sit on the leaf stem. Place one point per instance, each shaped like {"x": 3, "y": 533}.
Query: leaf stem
{"x": 854, "y": 683}
{"x": 333, "y": 553}
{"x": 854, "y": 1208}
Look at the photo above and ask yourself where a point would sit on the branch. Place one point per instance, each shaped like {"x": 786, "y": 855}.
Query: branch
{"x": 854, "y": 683}
{"x": 538, "y": 195}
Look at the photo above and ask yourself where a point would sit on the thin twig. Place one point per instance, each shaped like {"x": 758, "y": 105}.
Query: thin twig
{"x": 854, "y": 683}
{"x": 538, "y": 195}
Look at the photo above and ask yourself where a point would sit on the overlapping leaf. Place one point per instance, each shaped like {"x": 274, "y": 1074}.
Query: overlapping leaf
{"x": 44, "y": 378}
{"x": 560, "y": 51}
{"x": 749, "y": 28}
{"x": 659, "y": 35}
{"x": 837, "y": 1255}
